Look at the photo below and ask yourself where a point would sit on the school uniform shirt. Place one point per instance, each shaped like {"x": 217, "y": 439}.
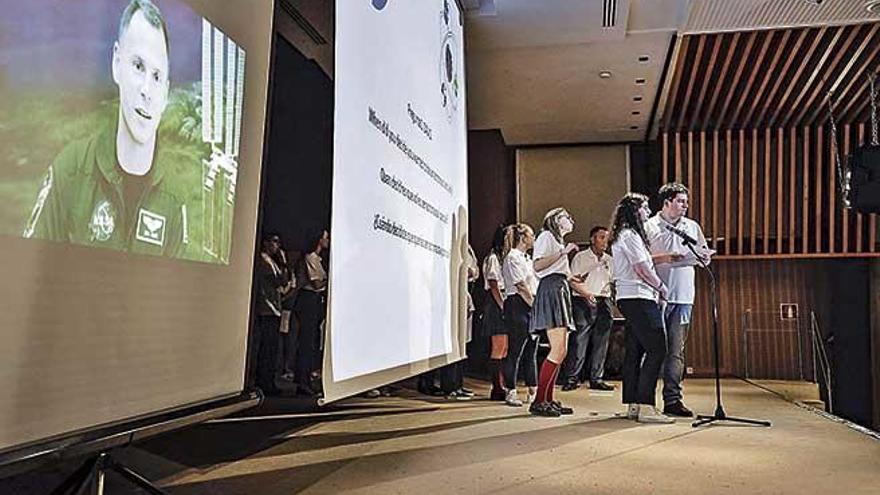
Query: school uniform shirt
{"x": 627, "y": 251}
{"x": 547, "y": 245}
{"x": 316, "y": 272}
{"x": 492, "y": 271}
{"x": 679, "y": 277}
{"x": 597, "y": 270}
{"x": 518, "y": 268}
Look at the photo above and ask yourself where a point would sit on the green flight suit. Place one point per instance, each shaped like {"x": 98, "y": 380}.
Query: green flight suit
{"x": 80, "y": 201}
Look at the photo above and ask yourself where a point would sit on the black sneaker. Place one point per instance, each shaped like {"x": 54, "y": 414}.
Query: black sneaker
{"x": 600, "y": 385}
{"x": 498, "y": 394}
{"x": 569, "y": 386}
{"x": 677, "y": 409}
{"x": 562, "y": 409}
{"x": 544, "y": 409}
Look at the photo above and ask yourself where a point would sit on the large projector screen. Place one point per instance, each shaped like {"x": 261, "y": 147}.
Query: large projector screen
{"x": 132, "y": 138}
{"x": 399, "y": 186}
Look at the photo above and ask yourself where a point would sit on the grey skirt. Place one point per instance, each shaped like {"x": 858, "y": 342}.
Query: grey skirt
{"x": 552, "y": 308}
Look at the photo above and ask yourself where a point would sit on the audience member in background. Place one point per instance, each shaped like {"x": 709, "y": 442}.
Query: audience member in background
{"x": 493, "y": 312}
{"x": 311, "y": 308}
{"x": 271, "y": 285}
{"x": 591, "y": 305}
{"x": 637, "y": 287}
{"x": 679, "y": 278}
{"x": 520, "y": 287}
{"x": 289, "y": 326}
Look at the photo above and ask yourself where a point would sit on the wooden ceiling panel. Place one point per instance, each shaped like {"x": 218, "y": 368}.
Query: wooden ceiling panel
{"x": 771, "y": 78}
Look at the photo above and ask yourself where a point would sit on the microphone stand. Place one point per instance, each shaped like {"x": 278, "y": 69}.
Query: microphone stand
{"x": 719, "y": 415}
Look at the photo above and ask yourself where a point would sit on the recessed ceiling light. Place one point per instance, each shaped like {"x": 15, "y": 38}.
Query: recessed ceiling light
{"x": 640, "y": 80}
{"x": 605, "y": 74}
{"x": 636, "y": 112}
{"x": 644, "y": 59}
{"x": 637, "y": 98}
{"x": 633, "y": 127}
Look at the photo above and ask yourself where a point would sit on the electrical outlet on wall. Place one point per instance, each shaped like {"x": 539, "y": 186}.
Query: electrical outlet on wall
{"x": 689, "y": 370}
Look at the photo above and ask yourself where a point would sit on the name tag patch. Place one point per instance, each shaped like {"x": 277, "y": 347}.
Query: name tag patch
{"x": 150, "y": 227}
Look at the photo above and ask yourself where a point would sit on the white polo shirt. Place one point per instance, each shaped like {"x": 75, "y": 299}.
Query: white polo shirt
{"x": 492, "y": 271}
{"x": 679, "y": 276}
{"x": 546, "y": 245}
{"x": 597, "y": 270}
{"x": 627, "y": 251}
{"x": 518, "y": 268}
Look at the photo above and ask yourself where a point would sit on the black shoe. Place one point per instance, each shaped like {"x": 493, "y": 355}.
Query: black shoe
{"x": 555, "y": 404}
{"x": 600, "y": 385}
{"x": 569, "y": 386}
{"x": 498, "y": 394}
{"x": 677, "y": 409}
{"x": 431, "y": 391}
{"x": 544, "y": 409}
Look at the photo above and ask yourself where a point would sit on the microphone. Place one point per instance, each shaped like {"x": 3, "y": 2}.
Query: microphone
{"x": 684, "y": 235}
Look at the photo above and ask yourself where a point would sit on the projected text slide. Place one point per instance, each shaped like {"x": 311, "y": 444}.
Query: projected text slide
{"x": 399, "y": 180}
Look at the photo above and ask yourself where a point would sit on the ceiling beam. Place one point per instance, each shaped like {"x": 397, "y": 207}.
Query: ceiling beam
{"x": 731, "y": 52}
{"x": 693, "y": 71}
{"x": 676, "y": 79}
{"x": 781, "y": 47}
{"x": 818, "y": 69}
{"x": 709, "y": 69}
{"x": 822, "y": 83}
{"x": 797, "y": 75}
{"x": 785, "y": 67}
{"x": 754, "y": 69}
{"x": 739, "y": 69}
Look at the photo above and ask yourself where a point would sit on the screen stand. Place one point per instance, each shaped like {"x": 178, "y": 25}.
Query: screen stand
{"x": 92, "y": 473}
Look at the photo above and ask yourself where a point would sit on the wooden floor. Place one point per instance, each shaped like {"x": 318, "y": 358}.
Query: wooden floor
{"x": 408, "y": 444}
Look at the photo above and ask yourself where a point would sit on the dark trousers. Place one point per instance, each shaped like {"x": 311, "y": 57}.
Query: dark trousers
{"x": 593, "y": 329}
{"x": 522, "y": 351}
{"x": 451, "y": 377}
{"x": 266, "y": 340}
{"x": 645, "y": 350}
{"x": 310, "y": 311}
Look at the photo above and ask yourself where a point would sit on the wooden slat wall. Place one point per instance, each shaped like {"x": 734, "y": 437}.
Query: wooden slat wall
{"x": 770, "y": 194}
{"x": 760, "y": 286}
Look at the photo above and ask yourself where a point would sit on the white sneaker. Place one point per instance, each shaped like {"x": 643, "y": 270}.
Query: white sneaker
{"x": 650, "y": 414}
{"x": 511, "y": 400}
{"x": 531, "y": 396}
{"x": 632, "y": 411}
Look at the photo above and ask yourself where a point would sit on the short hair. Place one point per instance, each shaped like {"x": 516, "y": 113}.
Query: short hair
{"x": 597, "y": 229}
{"x": 670, "y": 190}
{"x": 151, "y": 13}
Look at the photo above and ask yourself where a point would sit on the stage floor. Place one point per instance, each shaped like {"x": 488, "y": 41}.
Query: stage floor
{"x": 409, "y": 444}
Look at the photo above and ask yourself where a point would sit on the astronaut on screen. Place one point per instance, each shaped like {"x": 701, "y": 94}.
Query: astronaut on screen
{"x": 107, "y": 190}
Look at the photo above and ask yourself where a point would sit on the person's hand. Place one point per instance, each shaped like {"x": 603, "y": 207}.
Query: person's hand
{"x": 664, "y": 292}
{"x": 570, "y": 248}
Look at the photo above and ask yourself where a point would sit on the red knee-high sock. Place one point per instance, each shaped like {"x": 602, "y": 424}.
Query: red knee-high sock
{"x": 545, "y": 380}
{"x": 552, "y": 385}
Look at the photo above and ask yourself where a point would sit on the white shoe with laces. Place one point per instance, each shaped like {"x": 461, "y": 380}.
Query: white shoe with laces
{"x": 632, "y": 411}
{"x": 650, "y": 414}
{"x": 511, "y": 399}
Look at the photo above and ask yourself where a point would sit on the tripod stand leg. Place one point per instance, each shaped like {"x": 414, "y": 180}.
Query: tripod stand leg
{"x": 79, "y": 478}
{"x": 756, "y": 422}
{"x": 135, "y": 478}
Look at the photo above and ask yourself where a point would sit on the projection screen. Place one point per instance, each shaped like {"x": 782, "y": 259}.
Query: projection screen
{"x": 132, "y": 139}
{"x": 399, "y": 192}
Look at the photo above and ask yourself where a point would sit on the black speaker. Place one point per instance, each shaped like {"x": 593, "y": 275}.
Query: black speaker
{"x": 864, "y": 166}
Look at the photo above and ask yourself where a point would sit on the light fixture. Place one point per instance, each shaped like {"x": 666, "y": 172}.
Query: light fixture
{"x": 636, "y": 112}
{"x": 605, "y": 74}
{"x": 644, "y": 59}
{"x": 637, "y": 98}
{"x": 640, "y": 80}
{"x": 633, "y": 127}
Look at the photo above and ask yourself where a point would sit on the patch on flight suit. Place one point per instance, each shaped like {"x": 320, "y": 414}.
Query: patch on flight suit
{"x": 45, "y": 188}
{"x": 103, "y": 222}
{"x": 150, "y": 227}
